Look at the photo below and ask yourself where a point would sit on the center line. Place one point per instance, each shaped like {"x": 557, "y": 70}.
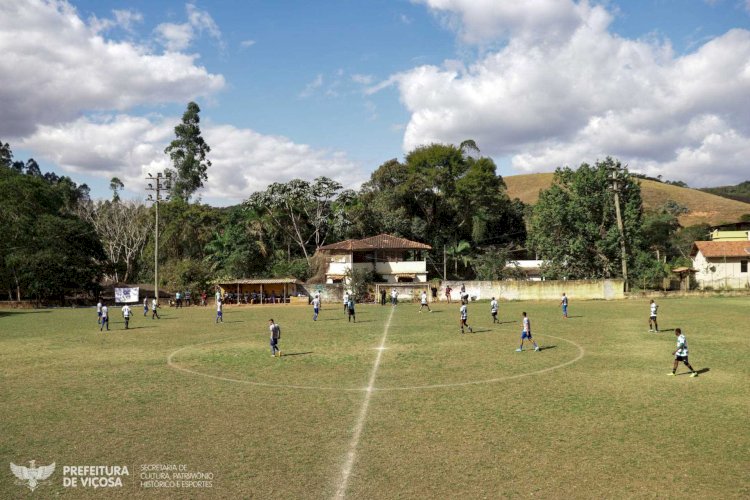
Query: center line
{"x": 351, "y": 456}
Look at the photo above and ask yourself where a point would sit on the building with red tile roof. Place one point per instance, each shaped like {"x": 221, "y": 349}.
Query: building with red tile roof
{"x": 397, "y": 260}
{"x": 722, "y": 264}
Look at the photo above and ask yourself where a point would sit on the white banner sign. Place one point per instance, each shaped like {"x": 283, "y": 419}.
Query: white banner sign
{"x": 127, "y": 295}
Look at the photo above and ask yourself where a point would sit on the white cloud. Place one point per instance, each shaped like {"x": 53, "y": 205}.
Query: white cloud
{"x": 247, "y": 43}
{"x": 243, "y": 161}
{"x": 589, "y": 94}
{"x": 311, "y": 87}
{"x": 480, "y": 21}
{"x": 362, "y": 79}
{"x": 176, "y": 37}
{"x": 56, "y": 67}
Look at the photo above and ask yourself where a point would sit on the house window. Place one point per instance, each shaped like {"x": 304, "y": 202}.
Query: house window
{"x": 743, "y": 266}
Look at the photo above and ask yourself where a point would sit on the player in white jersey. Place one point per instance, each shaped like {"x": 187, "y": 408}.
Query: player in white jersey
{"x": 653, "y": 326}
{"x": 99, "y": 312}
{"x": 275, "y": 336}
{"x": 316, "y": 307}
{"x": 564, "y": 305}
{"x": 493, "y": 310}
{"x": 219, "y": 311}
{"x": 105, "y": 318}
{"x": 126, "y": 313}
{"x": 145, "y": 306}
{"x": 681, "y": 354}
{"x": 346, "y": 302}
{"x": 526, "y": 334}
{"x": 465, "y": 316}
{"x": 154, "y": 306}
{"x": 423, "y": 300}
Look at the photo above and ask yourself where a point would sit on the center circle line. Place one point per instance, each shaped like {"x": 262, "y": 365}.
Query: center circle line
{"x": 174, "y": 365}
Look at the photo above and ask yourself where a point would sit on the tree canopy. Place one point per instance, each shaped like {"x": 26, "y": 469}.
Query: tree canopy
{"x": 187, "y": 153}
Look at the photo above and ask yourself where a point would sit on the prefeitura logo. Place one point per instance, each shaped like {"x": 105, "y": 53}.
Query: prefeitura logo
{"x": 31, "y": 476}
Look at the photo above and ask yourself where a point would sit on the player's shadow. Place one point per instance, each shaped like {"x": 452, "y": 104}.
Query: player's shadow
{"x": 545, "y": 347}
{"x": 235, "y": 321}
{"x": 134, "y": 328}
{"x": 329, "y": 319}
{"x": 504, "y": 322}
{"x": 365, "y": 321}
{"x": 482, "y": 330}
{"x": 699, "y": 372}
{"x": 297, "y": 354}
{"x": 576, "y": 316}
{"x": 664, "y": 330}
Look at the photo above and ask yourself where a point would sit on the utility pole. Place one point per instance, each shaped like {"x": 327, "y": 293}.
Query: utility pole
{"x": 624, "y": 254}
{"x": 157, "y": 184}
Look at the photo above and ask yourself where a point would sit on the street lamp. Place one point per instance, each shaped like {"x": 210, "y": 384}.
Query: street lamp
{"x": 158, "y": 184}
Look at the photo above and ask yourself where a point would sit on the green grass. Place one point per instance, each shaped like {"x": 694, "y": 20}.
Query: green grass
{"x": 610, "y": 425}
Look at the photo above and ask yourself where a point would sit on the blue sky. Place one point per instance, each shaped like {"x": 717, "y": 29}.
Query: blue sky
{"x": 92, "y": 89}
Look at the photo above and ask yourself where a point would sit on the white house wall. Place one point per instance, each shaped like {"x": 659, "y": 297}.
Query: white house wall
{"x": 720, "y": 272}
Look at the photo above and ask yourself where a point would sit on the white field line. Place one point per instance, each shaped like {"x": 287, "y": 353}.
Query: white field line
{"x": 351, "y": 455}
{"x": 173, "y": 364}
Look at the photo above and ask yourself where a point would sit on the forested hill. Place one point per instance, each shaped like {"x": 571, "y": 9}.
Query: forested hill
{"x": 740, "y": 192}
{"x": 703, "y": 207}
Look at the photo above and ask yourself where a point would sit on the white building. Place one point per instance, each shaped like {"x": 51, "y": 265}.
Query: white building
{"x": 721, "y": 264}
{"x": 397, "y": 260}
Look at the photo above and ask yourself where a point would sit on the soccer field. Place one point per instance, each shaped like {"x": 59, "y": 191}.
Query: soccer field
{"x": 398, "y": 405}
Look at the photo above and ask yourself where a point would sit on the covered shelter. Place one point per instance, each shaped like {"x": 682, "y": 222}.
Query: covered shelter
{"x": 259, "y": 290}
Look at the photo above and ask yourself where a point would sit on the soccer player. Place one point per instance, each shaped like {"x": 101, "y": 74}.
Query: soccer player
{"x": 681, "y": 354}
{"x": 105, "y": 317}
{"x": 493, "y": 310}
{"x": 448, "y": 291}
{"x": 316, "y": 307}
{"x": 464, "y": 316}
{"x": 219, "y": 312}
{"x": 653, "y": 326}
{"x": 275, "y": 336}
{"x": 350, "y": 309}
{"x": 154, "y": 312}
{"x": 382, "y": 296}
{"x": 564, "y": 304}
{"x": 526, "y": 334}
{"x": 424, "y": 302}
{"x": 346, "y": 301}
{"x": 145, "y": 306}
{"x": 394, "y": 297}
{"x": 99, "y": 312}
{"x": 126, "y": 313}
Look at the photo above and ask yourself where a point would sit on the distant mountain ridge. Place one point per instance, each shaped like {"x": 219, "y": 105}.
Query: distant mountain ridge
{"x": 704, "y": 207}
{"x": 740, "y": 192}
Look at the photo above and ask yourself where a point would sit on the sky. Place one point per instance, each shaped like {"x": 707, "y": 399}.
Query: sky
{"x": 290, "y": 89}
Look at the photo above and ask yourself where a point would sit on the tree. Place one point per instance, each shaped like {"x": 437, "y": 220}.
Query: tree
{"x": 305, "y": 212}
{"x": 188, "y": 155}
{"x": 6, "y": 155}
{"x": 124, "y": 228}
{"x": 495, "y": 263}
{"x": 442, "y": 196}
{"x": 459, "y": 252}
{"x": 115, "y": 185}
{"x": 573, "y": 225}
{"x": 46, "y": 250}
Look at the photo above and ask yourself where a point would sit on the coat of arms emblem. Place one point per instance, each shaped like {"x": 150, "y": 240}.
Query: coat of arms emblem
{"x": 32, "y": 475}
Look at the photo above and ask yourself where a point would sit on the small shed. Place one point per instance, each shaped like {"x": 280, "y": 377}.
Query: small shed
{"x": 684, "y": 275}
{"x": 259, "y": 290}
